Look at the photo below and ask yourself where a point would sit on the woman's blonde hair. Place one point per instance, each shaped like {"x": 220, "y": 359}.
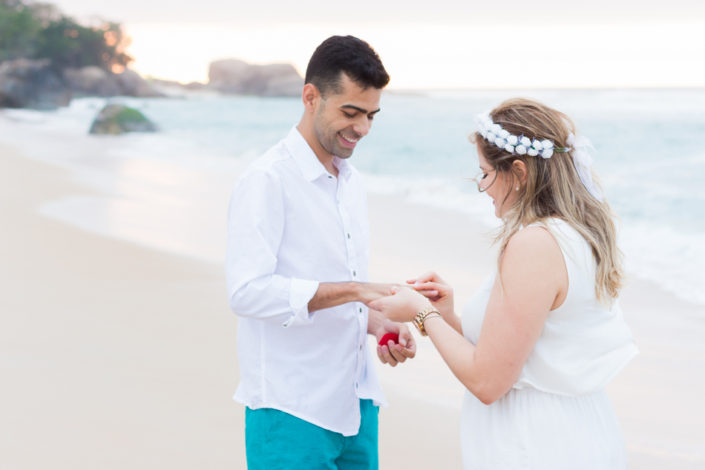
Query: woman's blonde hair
{"x": 553, "y": 188}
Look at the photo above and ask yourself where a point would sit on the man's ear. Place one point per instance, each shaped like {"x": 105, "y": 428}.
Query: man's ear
{"x": 520, "y": 171}
{"x": 310, "y": 97}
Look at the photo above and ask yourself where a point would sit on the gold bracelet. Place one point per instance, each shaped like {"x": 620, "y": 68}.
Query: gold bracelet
{"x": 421, "y": 317}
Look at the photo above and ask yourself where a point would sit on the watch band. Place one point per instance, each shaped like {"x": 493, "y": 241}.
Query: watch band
{"x": 421, "y": 317}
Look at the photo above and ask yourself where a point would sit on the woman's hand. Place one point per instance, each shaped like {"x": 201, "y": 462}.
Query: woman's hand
{"x": 436, "y": 290}
{"x": 402, "y": 306}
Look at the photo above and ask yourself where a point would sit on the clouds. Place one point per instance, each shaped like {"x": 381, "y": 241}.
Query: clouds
{"x": 514, "y": 43}
{"x": 447, "y": 56}
{"x": 367, "y": 12}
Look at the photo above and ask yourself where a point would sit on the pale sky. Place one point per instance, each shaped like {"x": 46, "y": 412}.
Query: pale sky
{"x": 546, "y": 43}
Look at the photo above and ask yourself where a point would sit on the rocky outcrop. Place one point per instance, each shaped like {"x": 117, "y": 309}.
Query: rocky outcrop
{"x": 176, "y": 89}
{"x": 238, "y": 77}
{"x": 116, "y": 119}
{"x": 95, "y": 81}
{"x": 26, "y": 83}
{"x": 91, "y": 81}
{"x": 132, "y": 84}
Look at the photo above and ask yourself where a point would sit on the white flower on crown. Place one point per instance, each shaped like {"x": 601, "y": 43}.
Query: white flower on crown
{"x": 521, "y": 145}
{"x": 516, "y": 145}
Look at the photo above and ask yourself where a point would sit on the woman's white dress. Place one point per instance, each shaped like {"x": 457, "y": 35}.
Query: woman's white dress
{"x": 557, "y": 415}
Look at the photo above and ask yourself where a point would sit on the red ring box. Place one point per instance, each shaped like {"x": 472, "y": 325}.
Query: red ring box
{"x": 385, "y": 339}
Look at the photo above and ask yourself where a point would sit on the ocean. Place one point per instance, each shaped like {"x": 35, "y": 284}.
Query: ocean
{"x": 648, "y": 156}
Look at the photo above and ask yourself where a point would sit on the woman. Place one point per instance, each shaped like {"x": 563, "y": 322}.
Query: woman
{"x": 537, "y": 344}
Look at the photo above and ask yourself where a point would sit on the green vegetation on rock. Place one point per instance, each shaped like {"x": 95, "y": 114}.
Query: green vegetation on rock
{"x": 41, "y": 31}
{"x": 130, "y": 115}
{"x": 116, "y": 119}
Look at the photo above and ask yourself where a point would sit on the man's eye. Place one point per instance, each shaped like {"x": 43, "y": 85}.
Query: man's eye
{"x": 348, "y": 115}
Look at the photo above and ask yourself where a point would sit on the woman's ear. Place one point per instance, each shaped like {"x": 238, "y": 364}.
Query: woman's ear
{"x": 520, "y": 171}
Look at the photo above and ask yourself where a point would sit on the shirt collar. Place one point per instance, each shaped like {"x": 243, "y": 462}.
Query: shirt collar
{"x": 344, "y": 168}
{"x": 308, "y": 162}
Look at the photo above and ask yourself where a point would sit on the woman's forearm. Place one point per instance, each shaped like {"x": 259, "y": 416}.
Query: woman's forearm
{"x": 459, "y": 354}
{"x": 454, "y": 321}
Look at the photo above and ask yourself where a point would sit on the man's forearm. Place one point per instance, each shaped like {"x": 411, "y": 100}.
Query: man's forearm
{"x": 332, "y": 294}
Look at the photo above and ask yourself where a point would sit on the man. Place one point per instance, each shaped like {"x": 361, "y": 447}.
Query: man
{"x": 298, "y": 217}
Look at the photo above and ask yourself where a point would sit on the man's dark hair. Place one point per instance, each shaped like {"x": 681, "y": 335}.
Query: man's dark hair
{"x": 346, "y": 54}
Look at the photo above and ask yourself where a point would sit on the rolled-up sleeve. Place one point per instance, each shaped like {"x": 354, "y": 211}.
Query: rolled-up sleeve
{"x": 256, "y": 220}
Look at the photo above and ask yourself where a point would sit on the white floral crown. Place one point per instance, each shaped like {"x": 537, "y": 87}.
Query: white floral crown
{"x": 522, "y": 145}
{"x": 515, "y": 144}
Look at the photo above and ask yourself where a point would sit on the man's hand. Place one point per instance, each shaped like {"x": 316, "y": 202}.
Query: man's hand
{"x": 394, "y": 353}
{"x": 369, "y": 291}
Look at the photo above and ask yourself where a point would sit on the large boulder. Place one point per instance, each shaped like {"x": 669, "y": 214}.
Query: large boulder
{"x": 91, "y": 81}
{"x": 284, "y": 85}
{"x": 95, "y": 81}
{"x": 28, "y": 83}
{"x": 133, "y": 85}
{"x": 116, "y": 119}
{"x": 238, "y": 77}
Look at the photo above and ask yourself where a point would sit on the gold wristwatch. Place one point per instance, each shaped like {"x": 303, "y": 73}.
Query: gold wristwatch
{"x": 422, "y": 316}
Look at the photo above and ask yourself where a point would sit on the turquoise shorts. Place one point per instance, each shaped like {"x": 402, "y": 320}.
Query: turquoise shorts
{"x": 275, "y": 440}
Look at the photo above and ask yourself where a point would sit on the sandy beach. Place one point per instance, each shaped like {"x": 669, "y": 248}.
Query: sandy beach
{"x": 119, "y": 352}
{"x": 118, "y": 356}
{"x": 114, "y": 356}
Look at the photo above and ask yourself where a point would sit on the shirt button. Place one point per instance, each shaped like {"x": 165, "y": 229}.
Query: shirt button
{"x": 360, "y": 347}
{"x": 356, "y": 384}
{"x": 348, "y": 236}
{"x": 354, "y": 273}
{"x": 360, "y": 309}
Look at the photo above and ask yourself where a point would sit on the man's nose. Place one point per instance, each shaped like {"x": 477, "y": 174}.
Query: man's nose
{"x": 362, "y": 126}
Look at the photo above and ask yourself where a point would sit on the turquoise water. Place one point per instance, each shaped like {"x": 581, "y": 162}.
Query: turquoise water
{"x": 650, "y": 153}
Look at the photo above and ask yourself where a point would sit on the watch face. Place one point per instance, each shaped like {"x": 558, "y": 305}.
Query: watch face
{"x": 418, "y": 322}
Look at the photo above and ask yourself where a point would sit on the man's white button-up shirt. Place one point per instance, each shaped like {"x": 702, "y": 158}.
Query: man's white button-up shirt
{"x": 291, "y": 225}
